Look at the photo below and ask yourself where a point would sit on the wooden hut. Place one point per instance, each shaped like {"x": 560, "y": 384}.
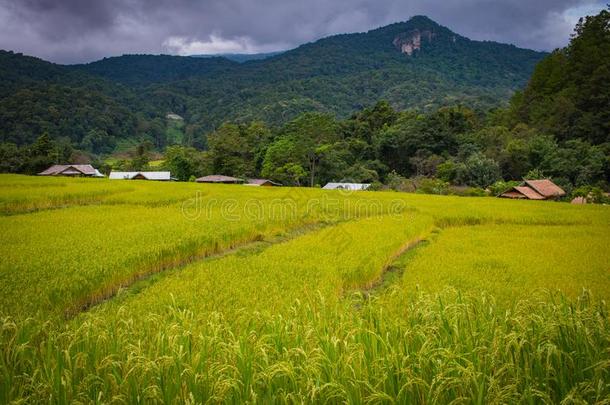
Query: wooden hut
{"x": 534, "y": 190}
{"x": 72, "y": 171}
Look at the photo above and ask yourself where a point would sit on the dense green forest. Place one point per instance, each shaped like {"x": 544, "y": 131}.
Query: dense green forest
{"x": 349, "y": 107}
{"x": 126, "y": 99}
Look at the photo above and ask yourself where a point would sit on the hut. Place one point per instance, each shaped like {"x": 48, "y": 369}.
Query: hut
{"x": 157, "y": 176}
{"x": 262, "y": 183}
{"x": 72, "y": 171}
{"x": 219, "y": 179}
{"x": 346, "y": 186}
{"x": 534, "y": 190}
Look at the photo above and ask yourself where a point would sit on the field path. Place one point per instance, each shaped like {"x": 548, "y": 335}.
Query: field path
{"x": 256, "y": 245}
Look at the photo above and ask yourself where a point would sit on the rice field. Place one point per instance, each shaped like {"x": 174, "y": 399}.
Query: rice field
{"x": 138, "y": 292}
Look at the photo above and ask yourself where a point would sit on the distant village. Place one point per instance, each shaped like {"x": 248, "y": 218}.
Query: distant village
{"x": 543, "y": 189}
{"x": 90, "y": 171}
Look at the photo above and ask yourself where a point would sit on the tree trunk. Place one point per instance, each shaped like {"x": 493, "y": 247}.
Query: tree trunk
{"x": 312, "y": 169}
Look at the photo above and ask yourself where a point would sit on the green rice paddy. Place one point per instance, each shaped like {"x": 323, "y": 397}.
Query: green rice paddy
{"x": 140, "y": 292}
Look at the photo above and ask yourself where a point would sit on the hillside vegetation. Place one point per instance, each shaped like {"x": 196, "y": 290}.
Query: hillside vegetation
{"x": 337, "y": 75}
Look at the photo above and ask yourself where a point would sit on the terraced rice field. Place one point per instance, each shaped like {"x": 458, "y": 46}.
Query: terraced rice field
{"x": 123, "y": 292}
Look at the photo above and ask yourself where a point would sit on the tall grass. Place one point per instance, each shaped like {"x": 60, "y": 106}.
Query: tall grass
{"x": 443, "y": 348}
{"x": 476, "y": 316}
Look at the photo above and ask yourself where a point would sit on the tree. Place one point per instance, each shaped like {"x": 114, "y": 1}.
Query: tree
{"x": 479, "y": 171}
{"x": 183, "y": 162}
{"x": 568, "y": 95}
{"x": 42, "y": 154}
{"x": 11, "y": 158}
{"x": 238, "y": 150}
{"x": 141, "y": 156}
{"x": 304, "y": 142}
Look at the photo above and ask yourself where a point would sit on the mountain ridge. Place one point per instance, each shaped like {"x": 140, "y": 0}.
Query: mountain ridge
{"x": 339, "y": 74}
{"x": 240, "y": 57}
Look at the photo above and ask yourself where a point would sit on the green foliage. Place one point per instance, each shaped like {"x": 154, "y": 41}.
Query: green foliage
{"x": 237, "y": 150}
{"x": 501, "y": 186}
{"x": 129, "y": 96}
{"x": 184, "y": 163}
{"x": 291, "y": 117}
{"x": 478, "y": 171}
{"x": 569, "y": 92}
{"x": 432, "y": 186}
{"x": 33, "y": 159}
{"x": 302, "y": 146}
{"x": 592, "y": 195}
{"x": 143, "y": 70}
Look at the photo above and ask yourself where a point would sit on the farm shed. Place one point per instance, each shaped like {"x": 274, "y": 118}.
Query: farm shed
{"x": 158, "y": 176}
{"x": 218, "y": 178}
{"x": 262, "y": 183}
{"x": 72, "y": 170}
{"x": 534, "y": 190}
{"x": 346, "y": 186}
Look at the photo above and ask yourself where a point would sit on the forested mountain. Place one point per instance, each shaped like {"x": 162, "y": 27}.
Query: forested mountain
{"x": 241, "y": 57}
{"x": 415, "y": 64}
{"x": 344, "y": 73}
{"x": 142, "y": 70}
{"x": 39, "y": 97}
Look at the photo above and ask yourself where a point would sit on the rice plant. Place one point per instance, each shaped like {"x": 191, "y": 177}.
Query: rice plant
{"x": 231, "y": 294}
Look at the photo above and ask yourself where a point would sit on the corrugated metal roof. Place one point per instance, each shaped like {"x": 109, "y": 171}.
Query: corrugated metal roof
{"x": 530, "y": 193}
{"x": 218, "y": 178}
{"x": 346, "y": 186}
{"x": 56, "y": 170}
{"x": 260, "y": 182}
{"x": 522, "y": 192}
{"x": 545, "y": 188}
{"x": 146, "y": 175}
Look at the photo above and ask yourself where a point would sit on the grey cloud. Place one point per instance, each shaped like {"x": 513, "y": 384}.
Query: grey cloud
{"x": 70, "y": 31}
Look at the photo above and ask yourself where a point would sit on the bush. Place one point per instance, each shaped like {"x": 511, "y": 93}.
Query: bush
{"x": 593, "y": 195}
{"x": 431, "y": 186}
{"x": 501, "y": 186}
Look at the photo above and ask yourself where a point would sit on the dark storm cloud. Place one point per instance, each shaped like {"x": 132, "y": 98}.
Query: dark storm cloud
{"x": 82, "y": 30}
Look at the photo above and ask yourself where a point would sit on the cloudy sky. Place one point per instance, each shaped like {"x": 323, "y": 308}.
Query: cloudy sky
{"x": 72, "y": 31}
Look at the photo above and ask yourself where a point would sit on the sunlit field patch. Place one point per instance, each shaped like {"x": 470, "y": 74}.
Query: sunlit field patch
{"x": 511, "y": 261}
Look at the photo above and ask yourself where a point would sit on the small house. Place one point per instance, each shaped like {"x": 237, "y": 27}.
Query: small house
{"x": 219, "y": 179}
{"x": 262, "y": 183}
{"x": 157, "y": 176}
{"x": 72, "y": 171}
{"x": 534, "y": 190}
{"x": 346, "y": 186}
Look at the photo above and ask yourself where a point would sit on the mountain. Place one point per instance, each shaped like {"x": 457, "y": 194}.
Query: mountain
{"x": 38, "y": 96}
{"x": 416, "y": 64}
{"x": 140, "y": 70}
{"x": 241, "y": 57}
{"x": 413, "y": 64}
